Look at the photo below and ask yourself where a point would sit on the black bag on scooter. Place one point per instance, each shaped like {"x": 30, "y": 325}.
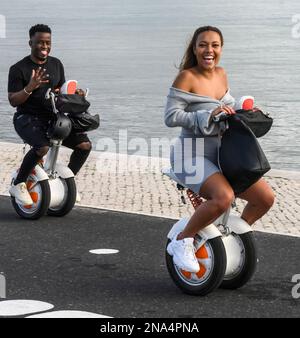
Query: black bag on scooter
{"x": 241, "y": 158}
{"x": 259, "y": 122}
{"x": 71, "y": 103}
{"x": 84, "y": 122}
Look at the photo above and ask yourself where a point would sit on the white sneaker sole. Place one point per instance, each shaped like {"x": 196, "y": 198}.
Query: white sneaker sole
{"x": 19, "y": 201}
{"x": 22, "y": 202}
{"x": 178, "y": 262}
{"x": 180, "y": 265}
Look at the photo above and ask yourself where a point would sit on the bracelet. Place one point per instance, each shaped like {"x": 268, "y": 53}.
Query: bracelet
{"x": 27, "y": 91}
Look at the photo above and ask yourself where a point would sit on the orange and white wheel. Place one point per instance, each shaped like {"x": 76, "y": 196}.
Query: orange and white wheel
{"x": 211, "y": 256}
{"x": 40, "y": 195}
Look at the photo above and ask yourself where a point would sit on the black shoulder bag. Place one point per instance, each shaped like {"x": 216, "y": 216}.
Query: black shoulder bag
{"x": 71, "y": 103}
{"x": 259, "y": 122}
{"x": 76, "y": 106}
{"x": 241, "y": 157}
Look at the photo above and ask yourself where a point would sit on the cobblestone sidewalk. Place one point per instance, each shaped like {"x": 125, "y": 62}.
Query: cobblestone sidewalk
{"x": 135, "y": 184}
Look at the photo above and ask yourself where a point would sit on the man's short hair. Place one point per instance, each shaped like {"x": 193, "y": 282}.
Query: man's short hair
{"x": 39, "y": 28}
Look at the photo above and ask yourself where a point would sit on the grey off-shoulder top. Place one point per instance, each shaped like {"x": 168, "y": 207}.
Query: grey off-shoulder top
{"x": 192, "y": 112}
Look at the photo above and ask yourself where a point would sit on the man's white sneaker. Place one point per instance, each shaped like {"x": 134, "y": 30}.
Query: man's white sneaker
{"x": 21, "y": 194}
{"x": 183, "y": 252}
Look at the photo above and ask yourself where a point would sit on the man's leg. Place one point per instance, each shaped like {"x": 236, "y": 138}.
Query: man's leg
{"x": 81, "y": 146}
{"x": 33, "y": 132}
{"x": 79, "y": 156}
{"x": 29, "y": 162}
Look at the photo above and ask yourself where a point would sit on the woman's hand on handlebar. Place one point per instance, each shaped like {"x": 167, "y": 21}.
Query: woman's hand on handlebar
{"x": 226, "y": 109}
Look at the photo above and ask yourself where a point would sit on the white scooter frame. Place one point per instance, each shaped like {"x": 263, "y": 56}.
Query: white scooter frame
{"x": 52, "y": 185}
{"x": 239, "y": 251}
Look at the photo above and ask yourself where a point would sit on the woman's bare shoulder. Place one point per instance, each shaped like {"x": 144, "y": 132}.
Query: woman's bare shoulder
{"x": 184, "y": 80}
{"x": 222, "y": 75}
{"x": 221, "y": 72}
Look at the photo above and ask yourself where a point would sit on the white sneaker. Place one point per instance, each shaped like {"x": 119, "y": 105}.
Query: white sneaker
{"x": 183, "y": 252}
{"x": 21, "y": 194}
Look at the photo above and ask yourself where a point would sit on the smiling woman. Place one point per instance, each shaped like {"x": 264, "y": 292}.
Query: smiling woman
{"x": 190, "y": 57}
{"x": 200, "y": 60}
{"x": 199, "y": 93}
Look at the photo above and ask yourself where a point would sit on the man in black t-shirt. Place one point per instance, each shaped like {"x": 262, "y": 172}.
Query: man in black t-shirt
{"x": 28, "y": 82}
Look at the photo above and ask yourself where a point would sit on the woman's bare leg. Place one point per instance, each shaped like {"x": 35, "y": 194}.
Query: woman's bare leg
{"x": 219, "y": 195}
{"x": 260, "y": 199}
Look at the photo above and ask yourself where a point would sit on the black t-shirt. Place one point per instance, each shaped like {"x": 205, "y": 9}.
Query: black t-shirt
{"x": 20, "y": 75}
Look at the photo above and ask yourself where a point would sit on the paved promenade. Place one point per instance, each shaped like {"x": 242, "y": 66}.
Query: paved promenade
{"x": 135, "y": 184}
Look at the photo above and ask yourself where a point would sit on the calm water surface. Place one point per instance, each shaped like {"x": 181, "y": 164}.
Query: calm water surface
{"x": 126, "y": 52}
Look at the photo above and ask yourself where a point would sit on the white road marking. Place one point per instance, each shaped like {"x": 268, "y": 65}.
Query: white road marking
{"x": 20, "y": 307}
{"x": 68, "y": 314}
{"x": 104, "y": 251}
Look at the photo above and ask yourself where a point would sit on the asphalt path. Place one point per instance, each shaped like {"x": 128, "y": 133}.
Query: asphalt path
{"x": 49, "y": 260}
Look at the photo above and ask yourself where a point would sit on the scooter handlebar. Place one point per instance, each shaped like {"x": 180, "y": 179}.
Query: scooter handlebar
{"x": 51, "y": 95}
{"x": 47, "y": 95}
{"x": 220, "y": 117}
